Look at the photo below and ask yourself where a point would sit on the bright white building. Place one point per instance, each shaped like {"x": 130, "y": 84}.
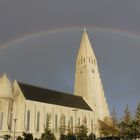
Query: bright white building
{"x": 25, "y": 107}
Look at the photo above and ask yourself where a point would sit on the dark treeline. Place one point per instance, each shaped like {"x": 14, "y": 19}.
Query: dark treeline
{"x": 127, "y": 127}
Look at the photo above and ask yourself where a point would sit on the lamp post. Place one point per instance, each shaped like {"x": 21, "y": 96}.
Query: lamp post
{"x": 75, "y": 113}
{"x": 15, "y": 120}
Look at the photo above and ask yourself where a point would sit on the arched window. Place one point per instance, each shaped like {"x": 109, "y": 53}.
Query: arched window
{"x": 28, "y": 120}
{"x": 1, "y": 120}
{"x": 56, "y": 122}
{"x": 38, "y": 120}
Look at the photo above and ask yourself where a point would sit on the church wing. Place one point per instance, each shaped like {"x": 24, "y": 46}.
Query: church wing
{"x": 53, "y": 97}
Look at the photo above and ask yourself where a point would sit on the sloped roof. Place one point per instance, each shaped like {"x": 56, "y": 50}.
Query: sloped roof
{"x": 53, "y": 97}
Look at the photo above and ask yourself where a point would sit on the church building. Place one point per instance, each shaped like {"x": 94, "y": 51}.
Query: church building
{"x": 26, "y": 108}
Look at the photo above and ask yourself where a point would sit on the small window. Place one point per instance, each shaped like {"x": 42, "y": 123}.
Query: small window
{"x": 81, "y": 71}
{"x": 92, "y": 70}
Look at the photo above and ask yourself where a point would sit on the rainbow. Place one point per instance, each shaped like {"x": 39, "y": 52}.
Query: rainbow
{"x": 69, "y": 29}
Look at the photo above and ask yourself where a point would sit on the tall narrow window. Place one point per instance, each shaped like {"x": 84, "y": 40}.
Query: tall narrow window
{"x": 92, "y": 60}
{"x": 92, "y": 125}
{"x": 78, "y": 121}
{"x": 25, "y": 118}
{"x": 38, "y": 121}
{"x": 1, "y": 120}
{"x": 71, "y": 122}
{"x": 84, "y": 61}
{"x": 28, "y": 120}
{"x": 89, "y": 59}
{"x": 35, "y": 118}
{"x": 64, "y": 121}
{"x": 48, "y": 120}
{"x": 9, "y": 121}
{"x": 56, "y": 122}
{"x": 81, "y": 60}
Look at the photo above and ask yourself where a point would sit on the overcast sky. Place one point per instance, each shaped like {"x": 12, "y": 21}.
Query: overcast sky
{"x": 39, "y": 41}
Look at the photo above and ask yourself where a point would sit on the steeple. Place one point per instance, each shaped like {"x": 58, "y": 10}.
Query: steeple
{"x": 87, "y": 78}
{"x": 85, "y": 52}
{"x": 84, "y": 29}
{"x": 86, "y": 69}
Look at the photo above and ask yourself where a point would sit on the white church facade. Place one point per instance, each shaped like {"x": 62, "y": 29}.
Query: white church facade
{"x": 24, "y": 108}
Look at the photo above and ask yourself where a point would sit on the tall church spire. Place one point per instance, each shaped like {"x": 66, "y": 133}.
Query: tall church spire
{"x": 84, "y": 29}
{"x": 85, "y": 50}
{"x": 85, "y": 67}
{"x": 87, "y": 78}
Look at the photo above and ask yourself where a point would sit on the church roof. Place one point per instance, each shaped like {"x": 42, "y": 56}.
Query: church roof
{"x": 53, "y": 97}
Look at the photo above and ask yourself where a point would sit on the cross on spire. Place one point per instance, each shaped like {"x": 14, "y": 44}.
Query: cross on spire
{"x": 84, "y": 29}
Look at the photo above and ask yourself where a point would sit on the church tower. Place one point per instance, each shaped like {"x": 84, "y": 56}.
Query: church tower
{"x": 87, "y": 79}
